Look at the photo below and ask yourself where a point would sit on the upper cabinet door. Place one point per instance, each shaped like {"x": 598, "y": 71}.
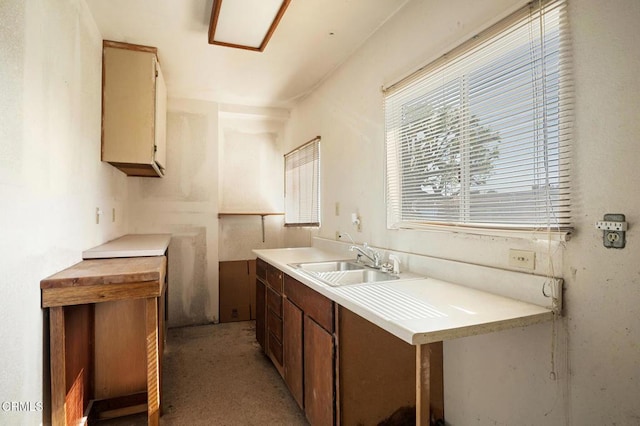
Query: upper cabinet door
{"x": 133, "y": 109}
{"x": 161, "y": 120}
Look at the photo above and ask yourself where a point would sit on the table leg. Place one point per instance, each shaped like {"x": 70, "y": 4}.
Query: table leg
{"x": 429, "y": 383}
{"x": 57, "y": 359}
{"x": 153, "y": 362}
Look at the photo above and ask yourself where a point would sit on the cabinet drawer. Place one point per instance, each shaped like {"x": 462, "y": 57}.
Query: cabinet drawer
{"x": 312, "y": 303}
{"x": 274, "y": 278}
{"x": 275, "y": 348}
{"x": 274, "y": 302}
{"x": 274, "y": 324}
{"x": 261, "y": 269}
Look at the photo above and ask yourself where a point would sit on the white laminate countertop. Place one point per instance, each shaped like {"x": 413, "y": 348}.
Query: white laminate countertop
{"x": 130, "y": 245}
{"x": 418, "y": 311}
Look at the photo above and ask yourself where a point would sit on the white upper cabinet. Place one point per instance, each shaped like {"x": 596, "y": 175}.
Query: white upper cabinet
{"x": 161, "y": 121}
{"x": 134, "y": 99}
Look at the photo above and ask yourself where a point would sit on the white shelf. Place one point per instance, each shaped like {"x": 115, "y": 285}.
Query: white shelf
{"x": 130, "y": 245}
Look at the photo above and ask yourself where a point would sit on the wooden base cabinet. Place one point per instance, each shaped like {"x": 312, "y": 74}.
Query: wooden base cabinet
{"x": 340, "y": 368}
{"x": 269, "y": 279}
{"x": 309, "y": 351}
{"x": 376, "y": 370}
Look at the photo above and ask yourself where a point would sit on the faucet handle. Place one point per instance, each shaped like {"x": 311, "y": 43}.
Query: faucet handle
{"x": 396, "y": 263}
{"x": 374, "y": 254}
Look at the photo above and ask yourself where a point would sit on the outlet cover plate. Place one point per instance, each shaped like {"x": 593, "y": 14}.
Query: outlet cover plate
{"x": 615, "y": 238}
{"x": 522, "y": 259}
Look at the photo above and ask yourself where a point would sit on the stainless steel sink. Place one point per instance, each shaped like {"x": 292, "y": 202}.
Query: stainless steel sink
{"x": 340, "y": 278}
{"x": 343, "y": 272}
{"x": 337, "y": 265}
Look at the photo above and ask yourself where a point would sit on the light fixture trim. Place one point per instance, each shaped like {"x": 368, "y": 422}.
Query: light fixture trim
{"x": 227, "y": 35}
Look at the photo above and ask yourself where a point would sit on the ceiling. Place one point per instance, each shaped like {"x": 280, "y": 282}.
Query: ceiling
{"x": 313, "y": 38}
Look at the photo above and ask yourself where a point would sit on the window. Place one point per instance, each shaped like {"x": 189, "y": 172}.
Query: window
{"x": 480, "y": 137}
{"x": 302, "y": 185}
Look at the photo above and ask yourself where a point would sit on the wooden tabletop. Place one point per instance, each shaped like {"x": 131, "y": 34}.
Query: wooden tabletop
{"x": 100, "y": 280}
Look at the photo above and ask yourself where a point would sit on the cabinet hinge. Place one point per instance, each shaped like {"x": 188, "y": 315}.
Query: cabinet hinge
{"x": 155, "y": 148}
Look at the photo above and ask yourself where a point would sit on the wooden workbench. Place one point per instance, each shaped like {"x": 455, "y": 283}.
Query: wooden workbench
{"x": 106, "y": 337}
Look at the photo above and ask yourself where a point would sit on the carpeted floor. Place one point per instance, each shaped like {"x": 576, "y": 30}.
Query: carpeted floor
{"x": 217, "y": 375}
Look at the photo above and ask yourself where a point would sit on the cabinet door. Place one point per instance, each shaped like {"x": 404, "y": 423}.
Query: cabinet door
{"x": 261, "y": 312}
{"x": 312, "y": 303}
{"x": 318, "y": 374}
{"x": 129, "y": 105}
{"x": 292, "y": 347}
{"x": 368, "y": 398}
{"x": 161, "y": 120}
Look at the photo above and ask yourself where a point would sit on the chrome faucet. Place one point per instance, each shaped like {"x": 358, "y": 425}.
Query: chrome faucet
{"x": 367, "y": 252}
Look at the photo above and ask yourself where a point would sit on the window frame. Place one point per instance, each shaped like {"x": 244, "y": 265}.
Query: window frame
{"x": 394, "y": 191}
{"x": 310, "y": 216}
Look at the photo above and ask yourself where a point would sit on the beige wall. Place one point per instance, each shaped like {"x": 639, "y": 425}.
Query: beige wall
{"x": 206, "y": 174}
{"x": 504, "y": 378}
{"x": 51, "y": 177}
{"x": 251, "y": 179}
{"x": 184, "y": 203}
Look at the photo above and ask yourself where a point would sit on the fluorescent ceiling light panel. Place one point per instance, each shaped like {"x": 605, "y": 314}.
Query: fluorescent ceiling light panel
{"x": 245, "y": 24}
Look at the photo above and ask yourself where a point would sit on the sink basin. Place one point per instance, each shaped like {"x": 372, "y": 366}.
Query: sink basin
{"x": 343, "y": 272}
{"x": 337, "y": 273}
{"x": 362, "y": 276}
{"x": 337, "y": 265}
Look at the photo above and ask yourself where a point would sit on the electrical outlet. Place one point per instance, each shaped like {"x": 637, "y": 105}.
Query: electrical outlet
{"x": 611, "y": 226}
{"x": 98, "y": 213}
{"x": 337, "y": 235}
{"x": 522, "y": 259}
{"x": 614, "y": 229}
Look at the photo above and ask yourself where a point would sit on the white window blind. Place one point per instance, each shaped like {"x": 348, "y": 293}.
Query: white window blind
{"x": 302, "y": 185}
{"x": 481, "y": 137}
